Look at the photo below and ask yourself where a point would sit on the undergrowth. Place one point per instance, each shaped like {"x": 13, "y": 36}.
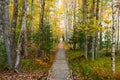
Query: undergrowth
{"x": 100, "y": 69}
{"x": 30, "y": 66}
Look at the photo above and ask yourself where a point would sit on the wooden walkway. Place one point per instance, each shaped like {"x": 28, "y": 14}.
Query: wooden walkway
{"x": 60, "y": 69}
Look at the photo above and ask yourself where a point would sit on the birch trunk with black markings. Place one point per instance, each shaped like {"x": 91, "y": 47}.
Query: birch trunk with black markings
{"x": 113, "y": 36}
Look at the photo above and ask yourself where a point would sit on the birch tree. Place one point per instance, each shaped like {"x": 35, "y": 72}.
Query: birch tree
{"x": 25, "y": 29}
{"x": 66, "y": 21}
{"x": 22, "y": 35}
{"x": 113, "y": 36}
{"x": 6, "y": 33}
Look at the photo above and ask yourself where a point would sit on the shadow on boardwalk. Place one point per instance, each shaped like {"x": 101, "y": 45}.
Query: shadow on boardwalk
{"x": 60, "y": 69}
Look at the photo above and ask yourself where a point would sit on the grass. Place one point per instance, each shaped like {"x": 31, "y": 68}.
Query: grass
{"x": 100, "y": 69}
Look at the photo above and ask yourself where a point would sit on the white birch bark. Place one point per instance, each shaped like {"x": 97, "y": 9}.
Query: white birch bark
{"x": 19, "y": 48}
{"x": 113, "y": 36}
{"x": 22, "y": 34}
{"x": 66, "y": 20}
{"x": 25, "y": 32}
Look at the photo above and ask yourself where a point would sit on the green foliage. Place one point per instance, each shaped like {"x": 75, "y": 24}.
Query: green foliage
{"x": 3, "y": 56}
{"x": 3, "y": 62}
{"x": 82, "y": 29}
{"x": 31, "y": 65}
{"x": 35, "y": 36}
{"x": 100, "y": 69}
{"x": 108, "y": 36}
{"x": 47, "y": 38}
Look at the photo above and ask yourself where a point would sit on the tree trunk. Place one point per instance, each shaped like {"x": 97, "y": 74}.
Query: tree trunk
{"x": 31, "y": 22}
{"x": 13, "y": 33}
{"x": 93, "y": 37}
{"x": 100, "y": 41}
{"x": 85, "y": 20}
{"x": 118, "y": 32}
{"x": 25, "y": 29}
{"x": 41, "y": 27}
{"x": 1, "y": 26}
{"x": 86, "y": 46}
{"x": 93, "y": 47}
{"x": 66, "y": 20}
{"x": 113, "y": 36}
{"x": 6, "y": 33}
{"x": 96, "y": 36}
{"x": 19, "y": 48}
{"x": 22, "y": 34}
{"x": 1, "y": 20}
{"x": 74, "y": 26}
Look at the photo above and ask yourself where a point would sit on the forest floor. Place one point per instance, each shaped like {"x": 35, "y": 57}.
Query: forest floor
{"x": 100, "y": 69}
{"x": 31, "y": 68}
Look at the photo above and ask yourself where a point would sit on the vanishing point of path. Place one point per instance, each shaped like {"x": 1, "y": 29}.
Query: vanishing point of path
{"x": 60, "y": 69}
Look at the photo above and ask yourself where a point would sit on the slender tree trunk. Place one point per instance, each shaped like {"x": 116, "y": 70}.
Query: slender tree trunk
{"x": 25, "y": 29}
{"x": 19, "y": 49}
{"x": 31, "y": 21}
{"x": 85, "y": 21}
{"x": 74, "y": 26}
{"x": 42, "y": 14}
{"x": 96, "y": 36}
{"x": 69, "y": 22}
{"x": 118, "y": 32}
{"x": 6, "y": 33}
{"x": 66, "y": 20}
{"x": 86, "y": 46}
{"x": 1, "y": 26}
{"x": 113, "y": 36}
{"x": 93, "y": 47}
{"x": 100, "y": 41}
{"x": 13, "y": 33}
{"x": 93, "y": 38}
{"x": 41, "y": 27}
{"x": 22, "y": 34}
{"x": 1, "y": 20}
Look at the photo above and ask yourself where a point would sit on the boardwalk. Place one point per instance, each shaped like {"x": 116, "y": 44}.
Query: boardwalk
{"x": 60, "y": 70}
